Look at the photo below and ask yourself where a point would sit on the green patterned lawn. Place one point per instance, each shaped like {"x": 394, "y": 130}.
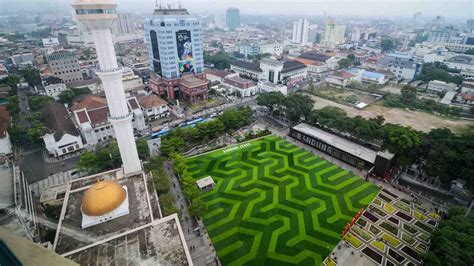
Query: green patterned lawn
{"x": 277, "y": 204}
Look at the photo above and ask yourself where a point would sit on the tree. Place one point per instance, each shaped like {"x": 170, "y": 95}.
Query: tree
{"x": 66, "y": 96}
{"x": 161, "y": 181}
{"x": 142, "y": 148}
{"x": 271, "y": 100}
{"x": 451, "y": 243}
{"x": 31, "y": 76}
{"x": 167, "y": 204}
{"x": 220, "y": 60}
{"x": 408, "y": 93}
{"x": 35, "y": 132}
{"x": 402, "y": 141}
{"x": 344, "y": 63}
{"x": 298, "y": 105}
{"x": 387, "y": 45}
{"x": 438, "y": 71}
{"x": 87, "y": 162}
{"x": 11, "y": 80}
{"x": 198, "y": 208}
{"x": 36, "y": 102}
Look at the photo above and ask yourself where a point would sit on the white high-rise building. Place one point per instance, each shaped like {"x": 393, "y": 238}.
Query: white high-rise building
{"x": 124, "y": 24}
{"x": 300, "y": 32}
{"x": 334, "y": 33}
{"x": 97, "y": 16}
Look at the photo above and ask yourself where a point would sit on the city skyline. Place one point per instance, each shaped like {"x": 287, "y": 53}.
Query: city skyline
{"x": 391, "y": 8}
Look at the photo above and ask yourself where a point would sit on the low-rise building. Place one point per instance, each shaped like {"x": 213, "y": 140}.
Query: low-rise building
{"x": 193, "y": 89}
{"x": 214, "y": 75}
{"x": 131, "y": 82}
{"x": 92, "y": 84}
{"x": 153, "y": 107}
{"x": 315, "y": 68}
{"x": 373, "y": 77}
{"x": 277, "y": 71}
{"x": 436, "y": 86}
{"x": 22, "y": 59}
{"x": 342, "y": 78}
{"x": 402, "y": 65}
{"x": 268, "y": 86}
{"x": 61, "y": 136}
{"x": 53, "y": 87}
{"x": 247, "y": 69}
{"x": 91, "y": 117}
{"x": 242, "y": 87}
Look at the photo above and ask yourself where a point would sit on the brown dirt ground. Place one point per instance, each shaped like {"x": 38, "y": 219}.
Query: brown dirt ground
{"x": 418, "y": 120}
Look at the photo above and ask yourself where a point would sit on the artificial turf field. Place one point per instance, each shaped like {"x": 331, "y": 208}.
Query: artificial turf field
{"x": 275, "y": 203}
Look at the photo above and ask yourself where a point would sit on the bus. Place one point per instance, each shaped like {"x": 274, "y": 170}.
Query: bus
{"x": 162, "y": 132}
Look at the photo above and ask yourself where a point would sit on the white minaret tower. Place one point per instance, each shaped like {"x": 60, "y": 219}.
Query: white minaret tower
{"x": 97, "y": 16}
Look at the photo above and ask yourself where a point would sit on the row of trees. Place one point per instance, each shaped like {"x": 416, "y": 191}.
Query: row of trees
{"x": 438, "y": 71}
{"x": 68, "y": 95}
{"x": 182, "y": 139}
{"x": 444, "y": 154}
{"x": 220, "y": 60}
{"x": 293, "y": 106}
{"x": 108, "y": 157}
{"x": 191, "y": 192}
{"x": 408, "y": 99}
{"x": 162, "y": 183}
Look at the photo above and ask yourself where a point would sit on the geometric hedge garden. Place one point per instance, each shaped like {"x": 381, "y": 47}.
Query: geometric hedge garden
{"x": 393, "y": 231}
{"x": 275, "y": 203}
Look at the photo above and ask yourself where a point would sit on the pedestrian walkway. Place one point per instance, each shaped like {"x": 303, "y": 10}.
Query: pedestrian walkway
{"x": 197, "y": 239}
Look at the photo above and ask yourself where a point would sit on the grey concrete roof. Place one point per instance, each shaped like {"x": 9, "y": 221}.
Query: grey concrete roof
{"x": 348, "y": 146}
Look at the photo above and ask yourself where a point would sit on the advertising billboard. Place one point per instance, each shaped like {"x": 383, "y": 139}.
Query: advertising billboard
{"x": 185, "y": 51}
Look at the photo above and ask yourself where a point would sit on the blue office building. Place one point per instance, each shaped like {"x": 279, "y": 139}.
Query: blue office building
{"x": 174, "y": 43}
{"x": 233, "y": 18}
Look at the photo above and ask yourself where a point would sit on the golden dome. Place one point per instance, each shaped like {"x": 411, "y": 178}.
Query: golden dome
{"x": 102, "y": 198}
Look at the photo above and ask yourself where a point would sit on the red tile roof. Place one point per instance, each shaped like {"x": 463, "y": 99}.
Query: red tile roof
{"x": 99, "y": 115}
{"x": 151, "y": 100}
{"x": 90, "y": 102}
{"x": 82, "y": 116}
{"x": 133, "y": 103}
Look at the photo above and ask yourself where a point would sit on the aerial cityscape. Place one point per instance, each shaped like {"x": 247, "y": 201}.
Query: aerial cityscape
{"x": 168, "y": 132}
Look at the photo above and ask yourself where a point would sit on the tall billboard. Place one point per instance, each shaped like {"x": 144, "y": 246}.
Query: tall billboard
{"x": 185, "y": 51}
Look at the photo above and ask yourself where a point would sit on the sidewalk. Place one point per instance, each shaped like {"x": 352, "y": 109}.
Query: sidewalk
{"x": 200, "y": 246}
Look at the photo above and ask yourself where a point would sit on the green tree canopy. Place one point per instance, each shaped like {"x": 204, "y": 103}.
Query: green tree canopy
{"x": 387, "y": 45}
{"x": 271, "y": 100}
{"x": 452, "y": 241}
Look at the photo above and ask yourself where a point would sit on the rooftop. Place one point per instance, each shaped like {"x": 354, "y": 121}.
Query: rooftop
{"x": 341, "y": 143}
{"x": 192, "y": 81}
{"x": 129, "y": 235}
{"x": 290, "y": 66}
{"x": 151, "y": 100}
{"x": 239, "y": 80}
{"x": 90, "y": 102}
{"x": 314, "y": 55}
{"x": 56, "y": 119}
{"x": 247, "y": 65}
{"x": 219, "y": 73}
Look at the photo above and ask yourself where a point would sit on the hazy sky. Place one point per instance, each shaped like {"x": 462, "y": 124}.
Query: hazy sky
{"x": 376, "y": 8}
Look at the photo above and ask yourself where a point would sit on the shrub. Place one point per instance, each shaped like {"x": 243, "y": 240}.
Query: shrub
{"x": 354, "y": 241}
{"x": 391, "y": 240}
